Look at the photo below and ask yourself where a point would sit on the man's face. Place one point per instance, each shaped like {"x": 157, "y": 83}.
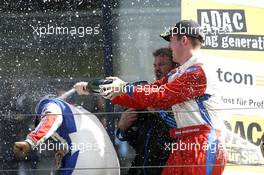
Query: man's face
{"x": 162, "y": 66}
{"x": 177, "y": 48}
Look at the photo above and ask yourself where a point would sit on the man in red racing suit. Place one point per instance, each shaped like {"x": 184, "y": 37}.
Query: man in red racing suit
{"x": 199, "y": 145}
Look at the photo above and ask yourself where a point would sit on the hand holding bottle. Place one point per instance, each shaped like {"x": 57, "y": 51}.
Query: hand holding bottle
{"x": 113, "y": 89}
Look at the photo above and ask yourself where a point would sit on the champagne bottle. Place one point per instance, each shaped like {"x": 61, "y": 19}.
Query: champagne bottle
{"x": 93, "y": 85}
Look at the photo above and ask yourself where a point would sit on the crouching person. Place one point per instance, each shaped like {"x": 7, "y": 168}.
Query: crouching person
{"x": 82, "y": 142}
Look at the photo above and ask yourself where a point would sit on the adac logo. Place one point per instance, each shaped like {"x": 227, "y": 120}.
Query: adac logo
{"x": 227, "y": 76}
{"x": 226, "y": 29}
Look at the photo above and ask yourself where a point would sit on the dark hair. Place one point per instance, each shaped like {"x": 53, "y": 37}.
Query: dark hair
{"x": 163, "y": 52}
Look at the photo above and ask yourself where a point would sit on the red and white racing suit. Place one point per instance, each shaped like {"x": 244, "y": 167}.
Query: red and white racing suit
{"x": 188, "y": 90}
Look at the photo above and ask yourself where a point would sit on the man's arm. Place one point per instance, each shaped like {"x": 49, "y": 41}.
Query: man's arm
{"x": 188, "y": 86}
{"x": 160, "y": 82}
{"x": 124, "y": 131}
{"x": 51, "y": 119}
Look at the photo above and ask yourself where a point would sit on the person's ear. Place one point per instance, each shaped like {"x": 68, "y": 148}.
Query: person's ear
{"x": 184, "y": 40}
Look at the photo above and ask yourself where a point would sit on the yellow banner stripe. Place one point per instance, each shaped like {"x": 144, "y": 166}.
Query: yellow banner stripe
{"x": 260, "y": 76}
{"x": 249, "y": 169}
{"x": 259, "y": 80}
